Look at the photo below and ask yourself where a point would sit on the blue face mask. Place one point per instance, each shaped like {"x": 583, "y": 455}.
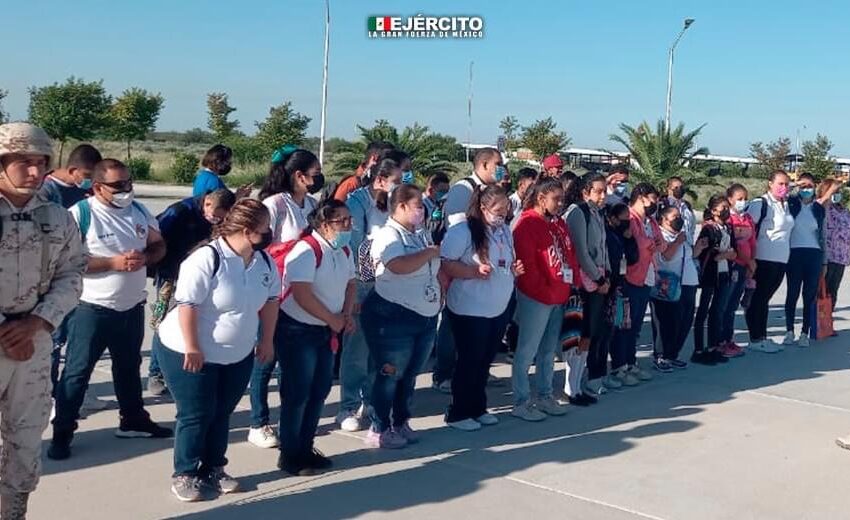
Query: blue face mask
{"x": 342, "y": 239}
{"x": 85, "y": 185}
{"x": 407, "y": 177}
{"x": 500, "y": 173}
{"x": 440, "y": 195}
{"x": 807, "y": 193}
{"x": 621, "y": 189}
{"x": 836, "y": 198}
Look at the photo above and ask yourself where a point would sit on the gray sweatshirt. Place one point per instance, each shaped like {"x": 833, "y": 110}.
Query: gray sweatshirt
{"x": 588, "y": 236}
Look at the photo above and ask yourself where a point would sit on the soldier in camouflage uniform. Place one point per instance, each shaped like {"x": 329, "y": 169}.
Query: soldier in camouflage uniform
{"x": 41, "y": 265}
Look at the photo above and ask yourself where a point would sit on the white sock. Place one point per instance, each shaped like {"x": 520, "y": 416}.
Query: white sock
{"x": 569, "y": 370}
{"x": 578, "y": 371}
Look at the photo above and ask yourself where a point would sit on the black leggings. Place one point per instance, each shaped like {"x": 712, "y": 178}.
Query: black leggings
{"x": 768, "y": 277}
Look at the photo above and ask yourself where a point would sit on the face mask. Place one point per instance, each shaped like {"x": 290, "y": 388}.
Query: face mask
{"x": 499, "y": 176}
{"x": 318, "y": 184}
{"x": 780, "y": 192}
{"x": 391, "y": 187}
{"x": 407, "y": 177}
{"x": 265, "y": 242}
{"x": 214, "y": 220}
{"x": 740, "y": 206}
{"x": 836, "y": 198}
{"x": 342, "y": 239}
{"x": 224, "y": 170}
{"x": 440, "y": 195}
{"x": 622, "y": 226}
{"x": 651, "y": 209}
{"x": 85, "y": 184}
{"x": 679, "y": 192}
{"x": 724, "y": 214}
{"x": 677, "y": 224}
{"x": 621, "y": 188}
{"x": 494, "y": 220}
{"x": 807, "y": 193}
{"x": 418, "y": 217}
{"x": 122, "y": 199}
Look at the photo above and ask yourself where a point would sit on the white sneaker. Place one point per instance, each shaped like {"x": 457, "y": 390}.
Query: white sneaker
{"x": 527, "y": 412}
{"x": 803, "y": 341}
{"x": 349, "y": 421}
{"x": 765, "y": 346}
{"x": 789, "y": 338}
{"x": 595, "y": 387}
{"x": 611, "y": 382}
{"x": 444, "y": 387}
{"x": 551, "y": 407}
{"x": 626, "y": 378}
{"x": 487, "y": 419}
{"x": 263, "y": 437}
{"x": 466, "y": 425}
{"x": 639, "y": 373}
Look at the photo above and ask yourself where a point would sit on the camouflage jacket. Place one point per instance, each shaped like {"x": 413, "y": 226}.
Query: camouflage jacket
{"x": 44, "y": 282}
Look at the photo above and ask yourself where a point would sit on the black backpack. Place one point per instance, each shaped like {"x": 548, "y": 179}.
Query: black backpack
{"x": 438, "y": 224}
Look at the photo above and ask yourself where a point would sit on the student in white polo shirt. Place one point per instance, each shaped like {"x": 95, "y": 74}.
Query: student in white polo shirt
{"x": 121, "y": 238}
{"x": 226, "y": 291}
{"x": 318, "y": 302}
{"x": 487, "y": 168}
{"x": 399, "y": 317}
{"x": 295, "y": 174}
{"x": 478, "y": 255}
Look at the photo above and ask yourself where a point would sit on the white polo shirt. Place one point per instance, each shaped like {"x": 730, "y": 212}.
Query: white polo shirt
{"x": 474, "y": 297}
{"x": 112, "y": 232}
{"x": 228, "y": 302}
{"x": 288, "y": 219}
{"x": 457, "y": 200}
{"x": 773, "y": 243}
{"x": 329, "y": 280}
{"x": 418, "y": 291}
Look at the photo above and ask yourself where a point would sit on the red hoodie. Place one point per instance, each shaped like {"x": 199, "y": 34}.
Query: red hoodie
{"x": 543, "y": 245}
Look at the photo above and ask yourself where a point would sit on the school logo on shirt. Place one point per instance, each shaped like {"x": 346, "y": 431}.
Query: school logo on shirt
{"x": 141, "y": 231}
{"x": 267, "y": 280}
{"x": 428, "y": 27}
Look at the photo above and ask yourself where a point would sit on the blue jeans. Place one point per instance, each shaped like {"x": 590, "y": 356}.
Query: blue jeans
{"x": 445, "y": 349}
{"x": 355, "y": 375}
{"x": 400, "y": 341}
{"x": 91, "y": 330}
{"x": 60, "y": 337}
{"x": 713, "y": 301}
{"x": 154, "y": 370}
{"x": 261, "y": 375}
{"x": 624, "y": 345}
{"x": 306, "y": 362}
{"x": 539, "y": 329}
{"x": 804, "y": 268}
{"x": 736, "y": 290}
{"x": 205, "y": 401}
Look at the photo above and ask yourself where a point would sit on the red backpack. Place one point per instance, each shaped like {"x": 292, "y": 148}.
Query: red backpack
{"x": 279, "y": 251}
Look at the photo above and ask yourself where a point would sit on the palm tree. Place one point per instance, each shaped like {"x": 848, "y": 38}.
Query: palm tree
{"x": 430, "y": 152}
{"x": 663, "y": 153}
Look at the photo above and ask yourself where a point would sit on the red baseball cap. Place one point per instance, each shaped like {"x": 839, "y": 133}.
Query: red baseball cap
{"x": 553, "y": 161}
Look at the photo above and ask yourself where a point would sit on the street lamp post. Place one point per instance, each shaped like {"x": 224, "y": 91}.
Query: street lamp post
{"x": 325, "y": 82}
{"x": 688, "y": 22}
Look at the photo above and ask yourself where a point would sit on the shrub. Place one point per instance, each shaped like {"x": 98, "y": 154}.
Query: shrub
{"x": 247, "y": 150}
{"x": 184, "y": 167}
{"x": 140, "y": 168}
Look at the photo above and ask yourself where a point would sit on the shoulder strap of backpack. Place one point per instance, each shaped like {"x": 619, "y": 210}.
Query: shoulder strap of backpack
{"x": 469, "y": 181}
{"x": 585, "y": 210}
{"x": 762, "y": 214}
{"x": 41, "y": 218}
{"x": 317, "y": 249}
{"x": 216, "y": 259}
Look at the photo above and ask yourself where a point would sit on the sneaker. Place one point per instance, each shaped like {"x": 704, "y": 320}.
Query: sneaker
{"x": 263, "y": 437}
{"x": 142, "y": 428}
{"x": 582, "y": 400}
{"x": 466, "y": 425}
{"x": 843, "y": 442}
{"x": 717, "y": 355}
{"x": 640, "y": 373}
{"x": 703, "y": 357}
{"x": 527, "y": 412}
{"x": 294, "y": 466}
{"x": 409, "y": 434}
{"x": 493, "y": 380}
{"x": 156, "y": 385}
{"x": 789, "y": 338}
{"x": 349, "y": 421}
{"x": 803, "y": 341}
{"x": 765, "y": 346}
{"x": 677, "y": 364}
{"x": 60, "y": 445}
{"x": 550, "y": 406}
{"x": 662, "y": 365}
{"x": 444, "y": 387}
{"x": 595, "y": 387}
{"x": 487, "y": 419}
{"x": 731, "y": 350}
{"x": 626, "y": 378}
{"x": 389, "y": 439}
{"x": 13, "y": 506}
{"x": 612, "y": 382}
{"x": 317, "y": 460}
{"x": 187, "y": 488}
{"x": 218, "y": 480}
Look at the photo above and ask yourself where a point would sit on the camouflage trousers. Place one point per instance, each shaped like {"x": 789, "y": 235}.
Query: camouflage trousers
{"x": 24, "y": 414}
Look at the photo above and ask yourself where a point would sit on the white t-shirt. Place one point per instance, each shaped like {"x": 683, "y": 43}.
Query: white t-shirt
{"x": 114, "y": 231}
{"x": 457, "y": 200}
{"x": 375, "y": 218}
{"x": 288, "y": 219}
{"x": 516, "y": 204}
{"x": 418, "y": 291}
{"x": 329, "y": 280}
{"x": 725, "y": 245}
{"x": 773, "y": 243}
{"x": 228, "y": 302}
{"x": 650, "y": 273}
{"x": 688, "y": 269}
{"x": 473, "y": 297}
{"x": 805, "y": 232}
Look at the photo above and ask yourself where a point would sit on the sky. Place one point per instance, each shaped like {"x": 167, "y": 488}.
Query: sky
{"x": 750, "y": 70}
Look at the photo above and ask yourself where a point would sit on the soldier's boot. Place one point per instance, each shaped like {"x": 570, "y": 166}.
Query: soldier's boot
{"x": 13, "y": 506}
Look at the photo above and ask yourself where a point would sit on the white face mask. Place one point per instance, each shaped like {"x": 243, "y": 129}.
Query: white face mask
{"x": 122, "y": 199}
{"x": 740, "y": 206}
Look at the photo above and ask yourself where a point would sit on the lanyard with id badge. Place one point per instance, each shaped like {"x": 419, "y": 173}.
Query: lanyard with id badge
{"x": 566, "y": 271}
{"x": 503, "y": 244}
{"x": 420, "y": 242}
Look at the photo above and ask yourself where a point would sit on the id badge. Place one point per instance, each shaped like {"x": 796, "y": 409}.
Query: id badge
{"x": 623, "y": 266}
{"x": 503, "y": 266}
{"x": 567, "y": 274}
{"x": 431, "y": 294}
{"x": 735, "y": 274}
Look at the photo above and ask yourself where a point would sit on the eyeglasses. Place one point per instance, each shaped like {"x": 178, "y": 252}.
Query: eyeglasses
{"x": 342, "y": 222}
{"x": 119, "y": 185}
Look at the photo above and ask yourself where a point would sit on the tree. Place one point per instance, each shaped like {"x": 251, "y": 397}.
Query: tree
{"x": 218, "y": 112}
{"x": 510, "y": 126}
{"x": 771, "y": 155}
{"x": 4, "y": 117}
{"x": 134, "y": 115}
{"x": 283, "y": 126}
{"x": 663, "y": 153}
{"x": 816, "y": 158}
{"x": 73, "y": 110}
{"x": 430, "y": 152}
{"x": 542, "y": 138}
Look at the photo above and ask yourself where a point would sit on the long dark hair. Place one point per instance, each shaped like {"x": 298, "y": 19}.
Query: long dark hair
{"x": 383, "y": 168}
{"x": 572, "y": 188}
{"x": 542, "y": 186}
{"x": 486, "y": 197}
{"x": 281, "y": 177}
{"x": 713, "y": 202}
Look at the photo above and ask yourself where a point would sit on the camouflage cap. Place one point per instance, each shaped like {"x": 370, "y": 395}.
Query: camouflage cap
{"x": 24, "y": 138}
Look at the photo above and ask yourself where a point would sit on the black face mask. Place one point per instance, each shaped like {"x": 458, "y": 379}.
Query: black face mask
{"x": 318, "y": 184}
{"x": 677, "y": 224}
{"x": 621, "y": 226}
{"x": 651, "y": 209}
{"x": 725, "y": 214}
{"x": 679, "y": 192}
{"x": 224, "y": 170}
{"x": 265, "y": 242}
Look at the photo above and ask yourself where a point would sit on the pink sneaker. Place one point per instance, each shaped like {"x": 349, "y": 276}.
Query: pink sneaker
{"x": 409, "y": 434}
{"x": 389, "y": 439}
{"x": 730, "y": 350}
